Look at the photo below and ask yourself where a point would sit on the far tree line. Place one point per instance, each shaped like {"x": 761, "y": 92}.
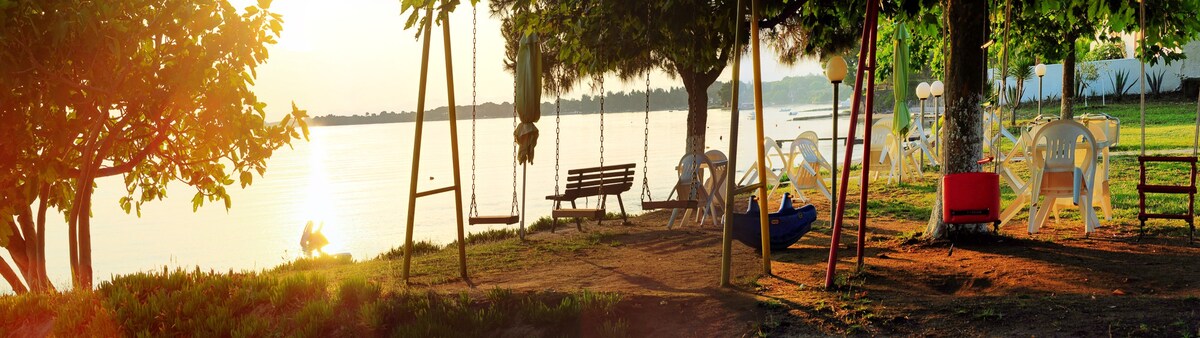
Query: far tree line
{"x": 808, "y": 89}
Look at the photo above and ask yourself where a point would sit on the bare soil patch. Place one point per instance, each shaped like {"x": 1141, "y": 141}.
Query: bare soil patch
{"x": 1056, "y": 282}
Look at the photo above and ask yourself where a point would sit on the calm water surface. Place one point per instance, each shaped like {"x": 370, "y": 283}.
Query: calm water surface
{"x": 355, "y": 180}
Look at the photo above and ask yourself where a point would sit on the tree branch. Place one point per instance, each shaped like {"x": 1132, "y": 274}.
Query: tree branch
{"x": 790, "y": 10}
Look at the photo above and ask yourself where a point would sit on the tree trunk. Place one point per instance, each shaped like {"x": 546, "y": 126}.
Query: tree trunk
{"x": 1068, "y": 80}
{"x": 41, "y": 239}
{"x": 697, "y": 85}
{"x": 964, "y": 95}
{"x": 85, "y": 237}
{"x": 9, "y": 275}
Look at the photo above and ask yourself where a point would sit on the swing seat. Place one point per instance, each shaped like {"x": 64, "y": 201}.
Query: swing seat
{"x": 788, "y": 224}
{"x": 971, "y": 198}
{"x": 498, "y": 219}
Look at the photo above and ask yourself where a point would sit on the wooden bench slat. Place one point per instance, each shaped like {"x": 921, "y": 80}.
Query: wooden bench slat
{"x": 598, "y": 183}
{"x": 1186, "y": 159}
{"x": 589, "y": 213}
{"x": 681, "y": 204}
{"x": 570, "y": 194}
{"x": 607, "y": 167}
{"x": 597, "y": 176}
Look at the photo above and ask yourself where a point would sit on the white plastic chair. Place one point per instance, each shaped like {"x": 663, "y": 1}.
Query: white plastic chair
{"x": 921, "y": 145}
{"x": 716, "y": 163}
{"x": 1056, "y": 173}
{"x": 805, "y": 171}
{"x": 776, "y": 164}
{"x": 689, "y": 170}
{"x": 1107, "y": 131}
{"x": 883, "y": 146}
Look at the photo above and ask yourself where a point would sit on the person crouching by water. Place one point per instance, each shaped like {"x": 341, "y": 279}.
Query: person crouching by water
{"x": 312, "y": 240}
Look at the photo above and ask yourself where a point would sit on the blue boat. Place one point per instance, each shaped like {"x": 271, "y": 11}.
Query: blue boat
{"x": 788, "y": 224}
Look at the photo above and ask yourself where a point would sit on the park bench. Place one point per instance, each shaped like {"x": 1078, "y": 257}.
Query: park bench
{"x": 600, "y": 182}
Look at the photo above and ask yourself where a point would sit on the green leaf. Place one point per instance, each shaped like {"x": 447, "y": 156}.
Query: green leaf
{"x": 197, "y": 201}
{"x": 247, "y": 178}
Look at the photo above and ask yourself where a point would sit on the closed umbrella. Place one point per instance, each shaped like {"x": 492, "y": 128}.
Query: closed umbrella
{"x": 529, "y": 107}
{"x": 900, "y": 117}
{"x": 529, "y": 96}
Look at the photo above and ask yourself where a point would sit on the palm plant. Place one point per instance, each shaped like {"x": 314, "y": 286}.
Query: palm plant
{"x": 1155, "y": 81}
{"x": 1121, "y": 83}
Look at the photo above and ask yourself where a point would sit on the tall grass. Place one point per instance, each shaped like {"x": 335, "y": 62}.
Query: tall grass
{"x": 419, "y": 248}
{"x": 199, "y": 304}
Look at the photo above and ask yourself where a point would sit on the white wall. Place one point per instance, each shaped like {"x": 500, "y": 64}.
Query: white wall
{"x": 1106, "y": 69}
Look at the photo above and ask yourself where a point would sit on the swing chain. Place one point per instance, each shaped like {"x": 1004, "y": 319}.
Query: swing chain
{"x": 557, "y": 137}
{"x": 646, "y": 129}
{"x": 474, "y": 211}
{"x": 646, "y": 147}
{"x": 600, "y": 198}
{"x": 513, "y": 210}
{"x": 602, "y": 123}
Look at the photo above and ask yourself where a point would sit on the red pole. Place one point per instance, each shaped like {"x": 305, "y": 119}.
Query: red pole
{"x": 872, "y": 9}
{"x": 862, "y": 201}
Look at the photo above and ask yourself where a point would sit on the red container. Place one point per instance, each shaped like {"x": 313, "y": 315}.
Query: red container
{"x": 971, "y": 198}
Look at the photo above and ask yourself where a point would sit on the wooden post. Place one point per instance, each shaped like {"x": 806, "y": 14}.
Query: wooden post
{"x": 764, "y": 223}
{"x": 854, "y": 110}
{"x": 416, "y": 158}
{"x": 869, "y": 91}
{"x": 413, "y": 194}
{"x": 458, "y": 207}
{"x": 730, "y": 184}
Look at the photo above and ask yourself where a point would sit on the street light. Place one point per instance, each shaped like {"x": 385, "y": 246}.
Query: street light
{"x": 1040, "y": 69}
{"x": 937, "y": 89}
{"x": 835, "y": 71}
{"x": 922, "y": 93}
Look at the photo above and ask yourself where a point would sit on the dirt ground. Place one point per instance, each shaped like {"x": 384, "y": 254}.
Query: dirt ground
{"x": 1054, "y": 283}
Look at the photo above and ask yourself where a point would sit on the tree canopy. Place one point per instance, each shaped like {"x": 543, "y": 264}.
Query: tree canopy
{"x": 155, "y": 91}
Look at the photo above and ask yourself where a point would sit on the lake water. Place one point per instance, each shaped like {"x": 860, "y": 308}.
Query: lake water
{"x": 355, "y": 180}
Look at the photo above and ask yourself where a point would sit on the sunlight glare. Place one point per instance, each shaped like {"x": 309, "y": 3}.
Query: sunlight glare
{"x": 318, "y": 207}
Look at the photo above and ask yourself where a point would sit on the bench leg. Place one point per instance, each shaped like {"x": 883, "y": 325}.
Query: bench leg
{"x": 603, "y": 202}
{"x": 553, "y": 219}
{"x": 578, "y": 223}
{"x": 621, "y": 203}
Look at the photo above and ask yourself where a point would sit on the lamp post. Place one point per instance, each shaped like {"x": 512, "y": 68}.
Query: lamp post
{"x": 1040, "y": 69}
{"x": 937, "y": 88}
{"x": 922, "y": 93}
{"x": 835, "y": 71}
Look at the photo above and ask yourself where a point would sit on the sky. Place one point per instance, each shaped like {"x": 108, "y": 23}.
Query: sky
{"x": 354, "y": 56}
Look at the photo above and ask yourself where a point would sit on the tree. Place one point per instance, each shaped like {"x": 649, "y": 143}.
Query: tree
{"x": 155, "y": 91}
{"x": 589, "y": 39}
{"x": 1052, "y": 27}
{"x": 967, "y": 20}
